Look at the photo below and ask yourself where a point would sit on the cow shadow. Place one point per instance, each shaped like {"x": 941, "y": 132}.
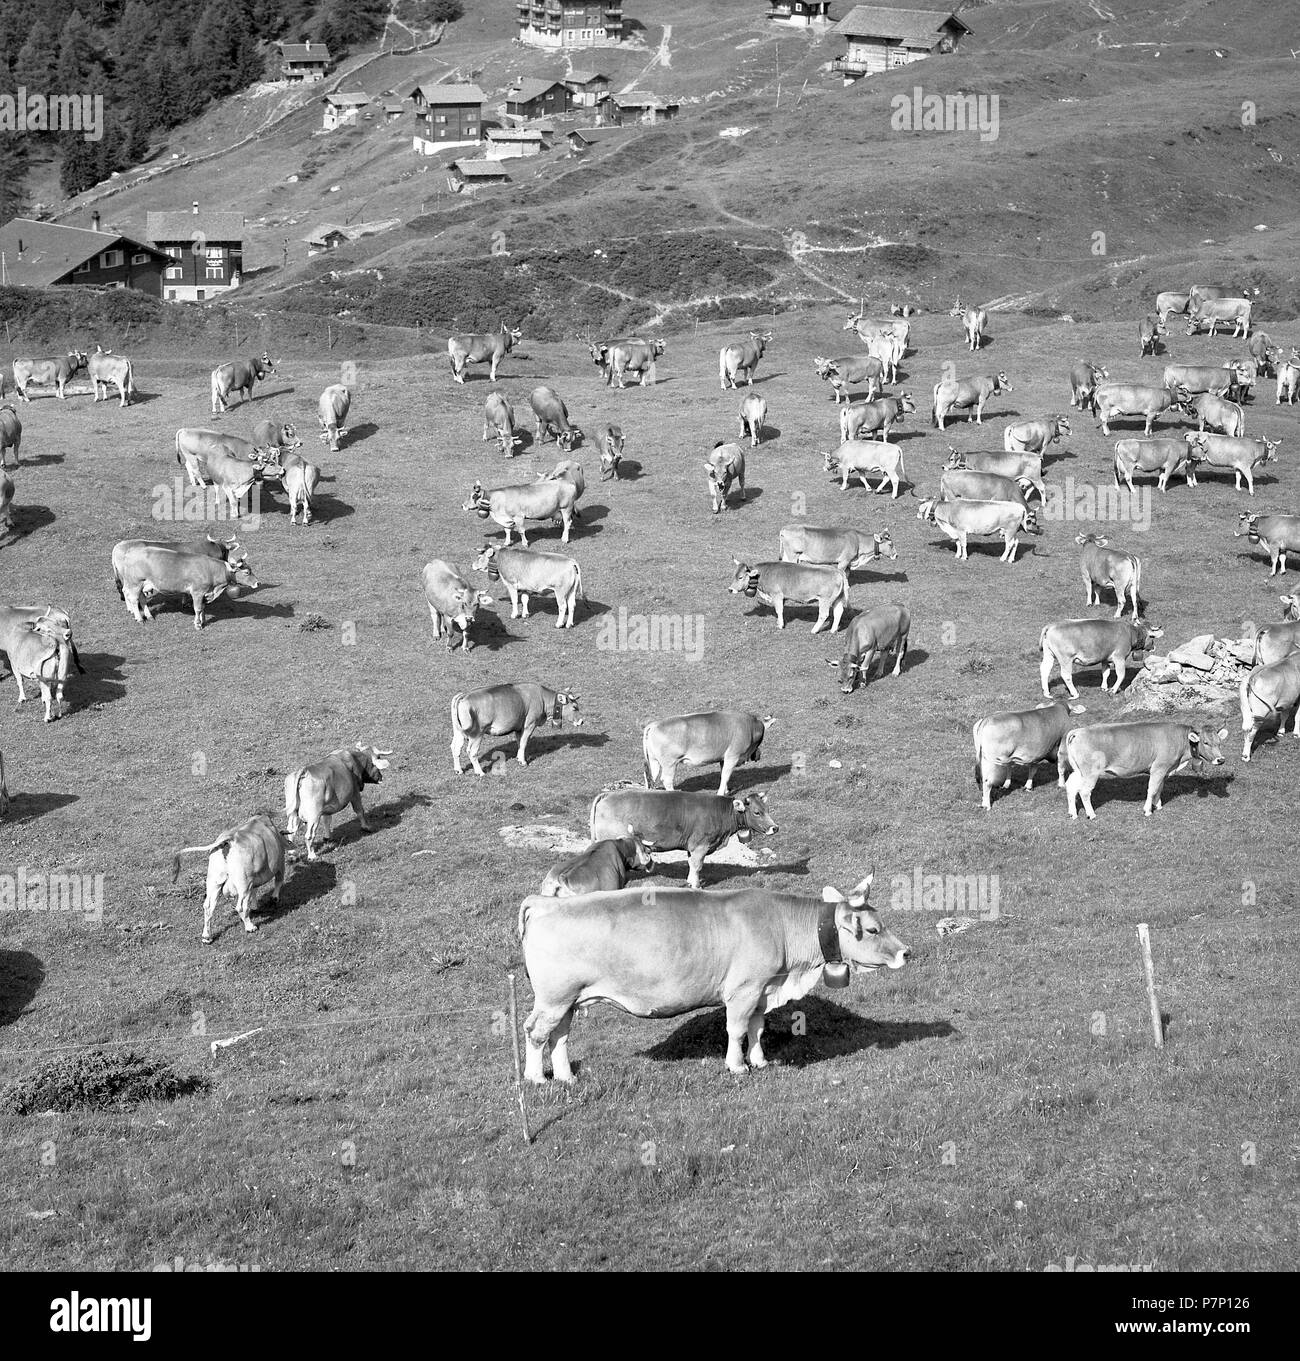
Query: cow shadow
{"x": 830, "y": 1031}
{"x": 393, "y": 810}
{"x": 103, "y": 683}
{"x": 489, "y": 630}
{"x": 749, "y": 776}
{"x": 27, "y": 519}
{"x": 139, "y": 398}
{"x": 27, "y": 807}
{"x": 254, "y": 609}
{"x": 305, "y": 881}
{"x": 766, "y": 434}
{"x": 21, "y": 976}
{"x": 717, "y": 872}
{"x": 263, "y": 394}
{"x": 357, "y": 434}
{"x": 35, "y": 461}
{"x": 1133, "y": 789}
{"x": 629, "y": 470}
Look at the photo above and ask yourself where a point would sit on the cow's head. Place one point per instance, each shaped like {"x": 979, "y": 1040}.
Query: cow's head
{"x": 658, "y": 348}
{"x": 905, "y": 403}
{"x": 612, "y": 453}
{"x": 77, "y": 359}
{"x": 369, "y": 763}
{"x": 1205, "y": 745}
{"x": 1060, "y": 426}
{"x": 850, "y": 669}
{"x": 825, "y": 367}
{"x": 955, "y": 459}
{"x": 510, "y": 336}
{"x": 465, "y": 602}
{"x": 289, "y": 437}
{"x": 599, "y": 351}
{"x": 925, "y": 511}
{"x": 882, "y": 547}
{"x": 487, "y": 562}
{"x": 1000, "y": 383}
{"x": 863, "y": 941}
{"x": 1144, "y": 634}
{"x": 241, "y": 574}
{"x": 229, "y": 550}
{"x": 1270, "y": 448}
{"x": 752, "y": 816}
{"x": 1290, "y": 607}
{"x": 761, "y": 340}
{"x": 830, "y": 462}
{"x": 478, "y": 501}
{"x": 569, "y": 439}
{"x": 265, "y": 364}
{"x": 566, "y": 703}
{"x": 1084, "y": 539}
{"x": 1197, "y": 446}
{"x": 745, "y": 579}
{"x": 1246, "y": 524}
{"x": 641, "y": 857}
{"x": 52, "y": 625}
{"x": 852, "y": 321}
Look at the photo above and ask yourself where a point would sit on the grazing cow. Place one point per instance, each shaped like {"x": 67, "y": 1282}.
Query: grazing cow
{"x": 314, "y": 793}
{"x": 499, "y": 422}
{"x": 848, "y": 549}
{"x": 1150, "y": 329}
{"x": 1242, "y": 377}
{"x": 11, "y": 434}
{"x": 670, "y": 820}
{"x": 472, "y": 348}
{"x": 524, "y": 572}
{"x": 753, "y": 413}
{"x": 1164, "y": 455}
{"x": 726, "y": 737}
{"x": 241, "y": 862}
{"x": 552, "y": 418}
{"x": 844, "y": 374}
{"x": 1264, "y": 352}
{"x": 1018, "y": 467}
{"x": 1269, "y": 692}
{"x": 453, "y": 602}
{"x": 960, "y": 519}
{"x": 961, "y": 484}
{"x": 106, "y": 370}
{"x": 510, "y": 507}
{"x": 960, "y": 394}
{"x": 1033, "y": 437}
{"x": 332, "y": 413}
{"x": 1276, "y": 641}
{"x": 725, "y": 465}
{"x": 858, "y": 457}
{"x": 905, "y": 309}
{"x": 271, "y": 436}
{"x": 1167, "y": 304}
{"x": 140, "y": 569}
{"x": 39, "y": 650}
{"x": 239, "y": 376}
{"x": 1084, "y": 377}
{"x": 632, "y": 356}
{"x": 299, "y": 479}
{"x": 1288, "y": 379}
{"x": 57, "y": 373}
{"x": 879, "y": 416}
{"x": 1226, "y": 417}
{"x": 749, "y": 949}
{"x": 974, "y": 321}
{"x": 1131, "y": 399}
{"x": 1277, "y": 534}
{"x": 501, "y": 710}
{"x": 611, "y": 453}
{"x": 868, "y": 329}
{"x": 873, "y": 637}
{"x": 1109, "y": 569}
{"x": 739, "y": 360}
{"x": 1242, "y": 456}
{"x": 604, "y": 867}
{"x": 1190, "y": 379}
{"x": 795, "y": 583}
{"x": 1154, "y": 747}
{"x": 1107, "y": 643}
{"x": 1022, "y": 737}
{"x": 1220, "y": 311}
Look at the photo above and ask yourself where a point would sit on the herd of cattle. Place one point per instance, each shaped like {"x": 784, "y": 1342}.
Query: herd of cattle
{"x": 661, "y": 952}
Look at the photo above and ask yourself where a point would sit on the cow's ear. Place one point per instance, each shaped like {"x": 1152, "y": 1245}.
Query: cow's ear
{"x": 860, "y": 889}
{"x": 484, "y": 598}
{"x": 1077, "y": 708}
{"x": 738, "y": 805}
{"x": 831, "y": 895}
{"x": 1194, "y": 737}
{"x": 1222, "y": 734}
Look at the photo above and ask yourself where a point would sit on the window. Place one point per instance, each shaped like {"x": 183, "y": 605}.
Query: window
{"x": 140, "y": 258}
{"x": 215, "y": 254}
{"x": 82, "y": 268}
{"x": 439, "y": 117}
{"x": 111, "y": 259}
{"x": 173, "y": 251}
{"x": 171, "y": 295}
{"x": 119, "y": 284}
{"x": 173, "y": 272}
{"x": 216, "y": 269}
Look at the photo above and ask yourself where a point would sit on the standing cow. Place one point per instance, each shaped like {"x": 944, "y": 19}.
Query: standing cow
{"x": 332, "y": 412}
{"x": 739, "y": 360}
{"x": 11, "y": 434}
{"x": 729, "y": 737}
{"x": 56, "y": 373}
{"x": 106, "y": 370}
{"x": 239, "y": 376}
{"x": 241, "y": 862}
{"x": 453, "y": 602}
{"x": 475, "y": 348}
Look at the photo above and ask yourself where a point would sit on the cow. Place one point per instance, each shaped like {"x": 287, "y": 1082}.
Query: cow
{"x": 228, "y": 470}
{"x": 961, "y": 484}
{"x": 222, "y": 550}
{"x": 1188, "y": 380}
{"x": 1226, "y": 417}
{"x": 1018, "y": 467}
{"x": 568, "y": 470}
{"x": 11, "y": 434}
{"x": 632, "y": 356}
{"x": 1033, "y": 437}
{"x": 868, "y": 329}
{"x": 552, "y": 418}
{"x": 725, "y": 465}
{"x": 726, "y": 737}
{"x": 6, "y": 503}
{"x": 1199, "y": 293}
{"x": 1163, "y": 455}
{"x": 739, "y": 360}
{"x": 1131, "y": 399}
{"x": 499, "y": 422}
{"x": 960, "y": 519}
{"x": 1150, "y": 329}
{"x": 48, "y": 372}
{"x": 241, "y": 862}
{"x": 844, "y": 374}
{"x": 1288, "y": 379}
{"x": 1084, "y": 377}
{"x": 1107, "y": 643}
{"x": 753, "y": 413}
{"x": 1214, "y": 311}
{"x": 140, "y": 569}
{"x": 974, "y": 321}
{"x": 749, "y": 949}
{"x": 314, "y": 793}
{"x": 873, "y": 637}
{"x": 502, "y": 710}
{"x": 17, "y": 620}
{"x": 671, "y": 820}
{"x": 889, "y": 350}
{"x": 299, "y": 479}
{"x": 604, "y": 867}
{"x": 905, "y": 309}
{"x": 960, "y": 394}
{"x": 194, "y": 446}
{"x": 879, "y": 416}
{"x": 453, "y": 602}
{"x": 796, "y": 583}
{"x": 473, "y": 348}
{"x": 1275, "y": 641}
{"x": 1264, "y": 352}
{"x": 525, "y": 572}
{"x": 848, "y": 549}
{"x": 332, "y": 413}
{"x": 1241, "y": 455}
{"x": 1156, "y": 747}
{"x": 611, "y": 453}
{"x": 239, "y": 376}
{"x": 39, "y": 650}
{"x": 1269, "y": 692}
{"x": 1109, "y": 569}
{"x": 510, "y": 507}
{"x": 1169, "y": 303}
{"x": 1021, "y": 737}
{"x": 106, "y": 370}
{"x": 270, "y": 436}
{"x": 858, "y": 457}
{"x": 1277, "y": 534}
{"x": 1243, "y": 374}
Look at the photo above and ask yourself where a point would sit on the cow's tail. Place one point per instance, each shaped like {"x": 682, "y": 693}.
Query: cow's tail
{"x": 179, "y": 456}
{"x": 1115, "y": 468}
{"x": 130, "y": 380}
{"x": 216, "y": 391}
{"x": 1258, "y": 658}
{"x": 1137, "y": 580}
{"x": 1042, "y": 638}
{"x": 645, "y": 759}
{"x": 582, "y": 594}
{"x": 117, "y": 579}
{"x": 591, "y": 817}
{"x": 220, "y": 843}
{"x": 722, "y": 366}
{"x": 934, "y": 408}
{"x": 459, "y": 721}
{"x": 291, "y": 782}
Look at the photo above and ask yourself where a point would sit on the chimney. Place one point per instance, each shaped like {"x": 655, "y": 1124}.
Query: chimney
{"x": 306, "y": 47}
{"x": 196, "y": 208}
{"x": 94, "y": 221}
{"x": 20, "y": 248}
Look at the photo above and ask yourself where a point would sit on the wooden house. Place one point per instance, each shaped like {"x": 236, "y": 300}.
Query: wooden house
{"x": 304, "y": 61}
{"x": 46, "y": 254}
{"x": 343, "y": 108}
{"x": 532, "y": 98}
{"x": 569, "y": 23}
{"x": 882, "y": 39}
{"x": 446, "y": 115}
{"x": 206, "y": 250}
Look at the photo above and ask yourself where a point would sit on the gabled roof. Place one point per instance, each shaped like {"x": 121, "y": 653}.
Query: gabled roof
{"x": 870, "y": 21}
{"x": 599, "y": 134}
{"x": 324, "y": 232}
{"x": 477, "y": 170}
{"x": 528, "y": 89}
{"x": 51, "y": 250}
{"x": 584, "y": 77}
{"x": 304, "y": 51}
{"x": 514, "y": 135}
{"x": 644, "y": 101}
{"x": 181, "y": 226}
{"x": 354, "y": 100}
{"x": 433, "y": 93}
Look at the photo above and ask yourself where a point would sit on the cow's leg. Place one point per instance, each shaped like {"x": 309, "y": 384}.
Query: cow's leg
{"x": 757, "y": 1059}
{"x": 244, "y": 903}
{"x": 902, "y": 653}
{"x": 1250, "y": 726}
{"x": 1062, "y": 763}
{"x": 46, "y": 695}
{"x": 567, "y": 517}
{"x": 695, "y": 863}
{"x": 836, "y": 615}
{"x": 778, "y": 604}
{"x": 437, "y": 622}
{"x": 458, "y": 740}
{"x": 196, "y": 598}
{"x": 523, "y": 600}
{"x": 360, "y": 812}
{"x": 1067, "y": 675}
{"x": 542, "y": 1023}
{"x": 475, "y": 746}
{"x": 520, "y": 530}
{"x": 1085, "y": 793}
{"x": 729, "y": 764}
{"x": 521, "y": 754}
{"x": 822, "y": 612}
{"x": 1155, "y": 782}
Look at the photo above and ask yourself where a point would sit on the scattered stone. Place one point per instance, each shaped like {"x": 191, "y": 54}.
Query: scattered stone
{"x": 1187, "y": 655}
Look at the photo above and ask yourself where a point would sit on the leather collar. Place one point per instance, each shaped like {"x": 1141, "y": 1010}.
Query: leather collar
{"x": 828, "y": 934}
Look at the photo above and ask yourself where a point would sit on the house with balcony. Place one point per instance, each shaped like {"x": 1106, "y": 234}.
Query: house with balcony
{"x": 532, "y": 98}
{"x": 800, "y": 13}
{"x": 206, "y": 251}
{"x": 586, "y": 88}
{"x": 623, "y": 110}
{"x": 883, "y": 39}
{"x": 568, "y": 24}
{"x": 446, "y": 116}
{"x": 301, "y": 62}
{"x": 45, "y": 254}
{"x": 343, "y": 108}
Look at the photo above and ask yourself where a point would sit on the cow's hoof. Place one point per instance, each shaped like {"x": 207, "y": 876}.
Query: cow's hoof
{"x": 739, "y": 1072}
{"x": 250, "y": 927}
